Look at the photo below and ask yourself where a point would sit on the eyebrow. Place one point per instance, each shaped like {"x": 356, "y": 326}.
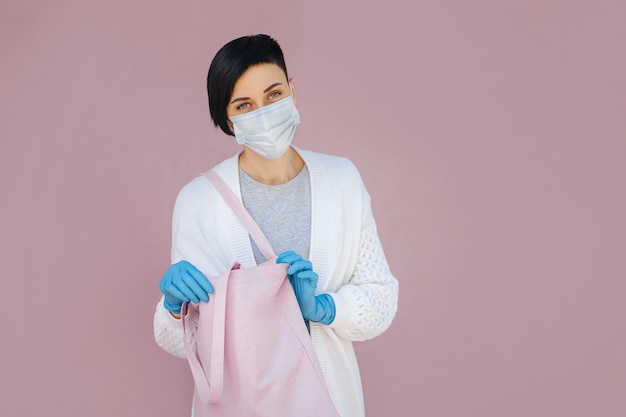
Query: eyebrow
{"x": 271, "y": 86}
{"x": 248, "y": 98}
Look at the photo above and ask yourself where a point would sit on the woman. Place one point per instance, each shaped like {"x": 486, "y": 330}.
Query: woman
{"x": 312, "y": 207}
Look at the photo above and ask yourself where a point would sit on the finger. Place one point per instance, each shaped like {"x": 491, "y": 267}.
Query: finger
{"x": 165, "y": 281}
{"x": 308, "y": 275}
{"x": 169, "y": 276}
{"x": 288, "y": 258}
{"x": 173, "y": 292}
{"x": 292, "y": 259}
{"x": 194, "y": 286}
{"x": 305, "y": 283}
{"x": 200, "y": 279}
{"x": 183, "y": 287}
{"x": 300, "y": 265}
{"x": 287, "y": 252}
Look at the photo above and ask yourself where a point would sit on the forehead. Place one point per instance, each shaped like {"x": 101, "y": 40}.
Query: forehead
{"x": 257, "y": 78}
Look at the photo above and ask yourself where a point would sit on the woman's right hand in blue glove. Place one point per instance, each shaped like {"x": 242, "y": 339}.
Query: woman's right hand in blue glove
{"x": 182, "y": 283}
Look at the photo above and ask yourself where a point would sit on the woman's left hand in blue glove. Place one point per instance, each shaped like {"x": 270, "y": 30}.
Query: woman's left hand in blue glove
{"x": 318, "y": 308}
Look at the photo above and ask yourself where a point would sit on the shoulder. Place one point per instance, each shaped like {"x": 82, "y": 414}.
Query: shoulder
{"x": 199, "y": 189}
{"x": 333, "y": 165}
{"x": 193, "y": 199}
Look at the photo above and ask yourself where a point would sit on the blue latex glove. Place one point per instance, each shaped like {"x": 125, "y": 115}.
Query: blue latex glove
{"x": 181, "y": 283}
{"x": 319, "y": 308}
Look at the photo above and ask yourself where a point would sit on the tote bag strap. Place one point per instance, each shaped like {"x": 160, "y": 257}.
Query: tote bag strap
{"x": 210, "y": 384}
{"x": 255, "y": 232}
{"x": 203, "y": 386}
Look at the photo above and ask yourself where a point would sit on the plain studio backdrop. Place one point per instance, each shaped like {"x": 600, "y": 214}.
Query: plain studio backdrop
{"x": 490, "y": 134}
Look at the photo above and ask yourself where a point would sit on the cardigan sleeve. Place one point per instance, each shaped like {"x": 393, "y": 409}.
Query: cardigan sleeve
{"x": 188, "y": 242}
{"x": 367, "y": 304}
{"x": 168, "y": 331}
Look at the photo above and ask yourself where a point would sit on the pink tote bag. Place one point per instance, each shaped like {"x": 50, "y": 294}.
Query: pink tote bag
{"x": 254, "y": 356}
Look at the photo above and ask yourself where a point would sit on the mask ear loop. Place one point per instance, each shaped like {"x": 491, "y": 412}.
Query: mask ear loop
{"x": 291, "y": 88}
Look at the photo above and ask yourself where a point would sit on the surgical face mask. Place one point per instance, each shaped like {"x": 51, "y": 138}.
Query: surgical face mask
{"x": 269, "y": 130}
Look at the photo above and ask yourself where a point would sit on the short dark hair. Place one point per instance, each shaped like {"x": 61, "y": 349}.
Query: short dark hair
{"x": 230, "y": 62}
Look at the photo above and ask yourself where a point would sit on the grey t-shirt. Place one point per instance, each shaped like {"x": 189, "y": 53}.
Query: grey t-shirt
{"x": 283, "y": 212}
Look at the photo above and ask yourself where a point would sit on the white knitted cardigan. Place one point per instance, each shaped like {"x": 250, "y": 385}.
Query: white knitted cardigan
{"x": 345, "y": 252}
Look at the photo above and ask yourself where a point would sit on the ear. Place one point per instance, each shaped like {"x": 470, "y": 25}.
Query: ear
{"x": 293, "y": 90}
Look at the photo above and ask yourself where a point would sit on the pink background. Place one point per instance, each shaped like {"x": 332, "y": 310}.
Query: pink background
{"x": 491, "y": 135}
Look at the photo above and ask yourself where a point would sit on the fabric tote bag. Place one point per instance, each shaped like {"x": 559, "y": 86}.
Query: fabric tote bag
{"x": 254, "y": 356}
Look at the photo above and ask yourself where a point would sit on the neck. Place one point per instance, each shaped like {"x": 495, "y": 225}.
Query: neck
{"x": 271, "y": 171}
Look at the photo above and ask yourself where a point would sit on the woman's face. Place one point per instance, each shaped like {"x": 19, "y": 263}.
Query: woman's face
{"x": 259, "y": 86}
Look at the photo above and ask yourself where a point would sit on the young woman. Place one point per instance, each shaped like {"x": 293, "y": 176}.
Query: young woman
{"x": 312, "y": 207}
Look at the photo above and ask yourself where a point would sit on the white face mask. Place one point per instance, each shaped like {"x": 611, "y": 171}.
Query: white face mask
{"x": 269, "y": 130}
